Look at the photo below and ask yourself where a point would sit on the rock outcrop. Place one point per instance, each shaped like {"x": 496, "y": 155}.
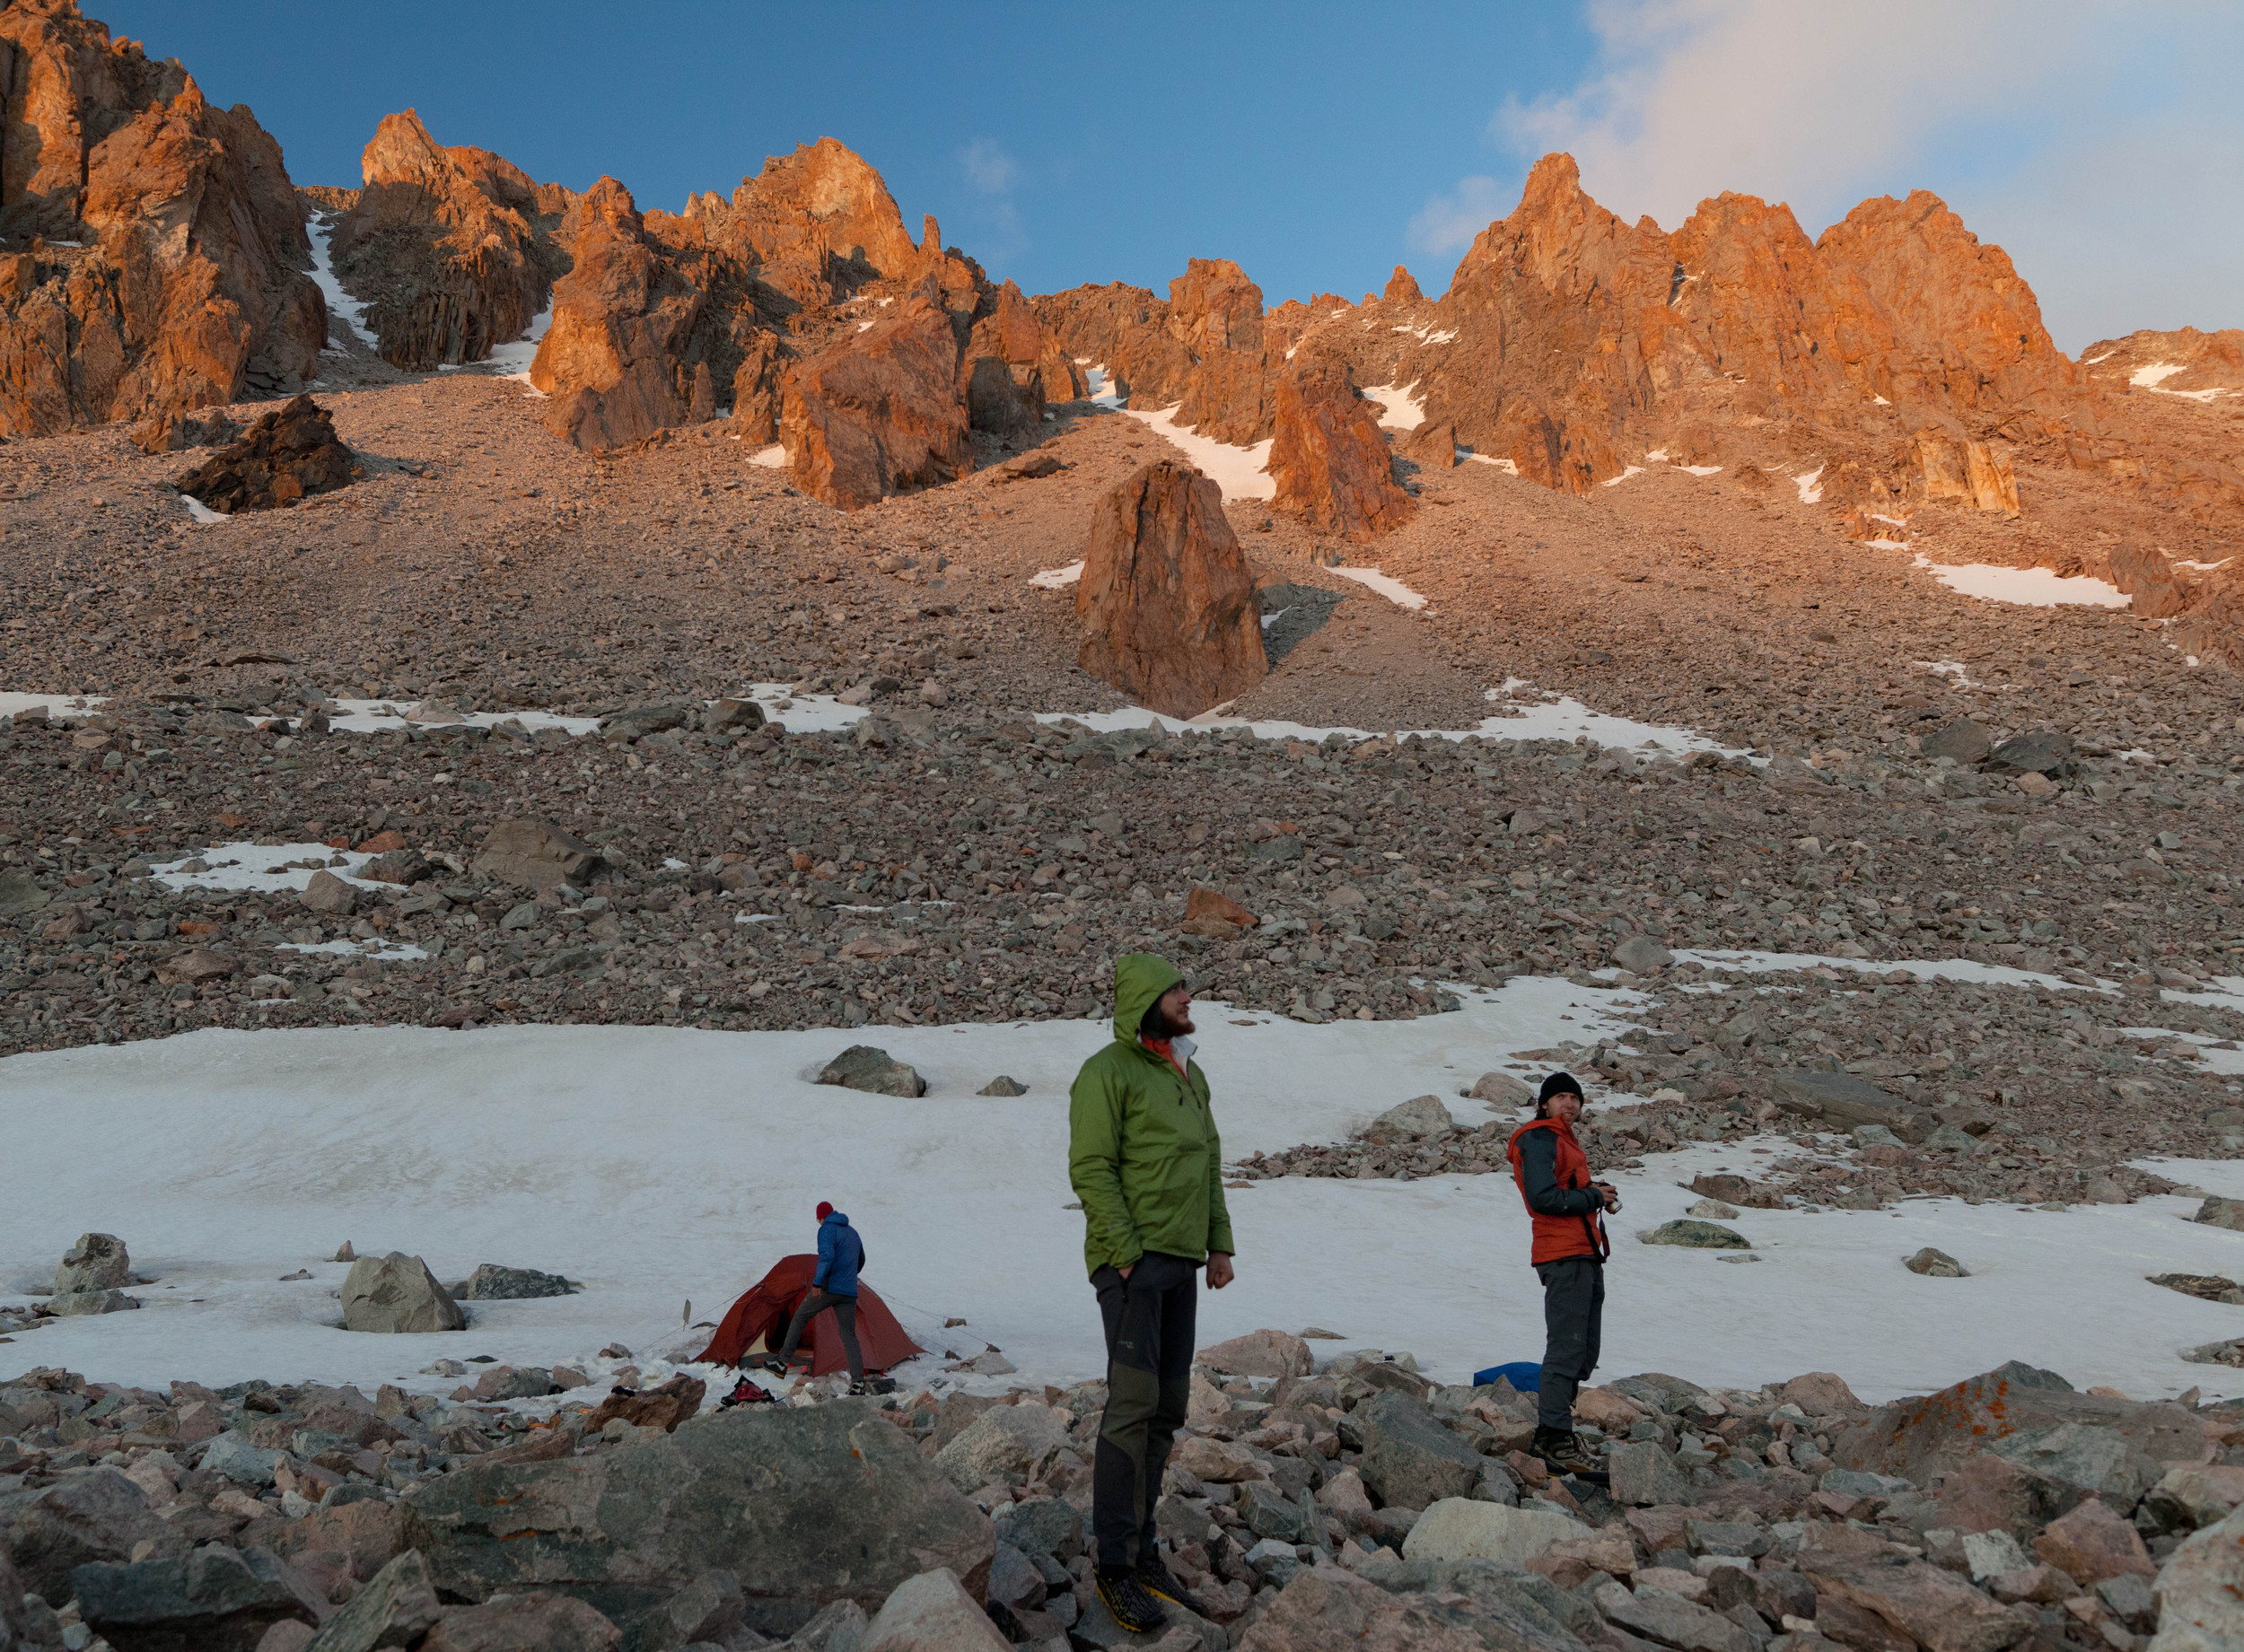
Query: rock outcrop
{"x": 1166, "y": 594}
{"x": 1202, "y": 351}
{"x": 452, "y": 248}
{"x": 152, "y": 251}
{"x": 804, "y": 303}
{"x": 288, "y": 455}
{"x": 1331, "y": 465}
{"x": 819, "y": 224}
{"x": 878, "y": 411}
{"x": 617, "y": 361}
{"x": 2204, "y": 367}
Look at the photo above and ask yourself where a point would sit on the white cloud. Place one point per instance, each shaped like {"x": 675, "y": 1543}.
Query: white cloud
{"x": 2101, "y": 147}
{"x": 1448, "y": 222}
{"x": 987, "y": 167}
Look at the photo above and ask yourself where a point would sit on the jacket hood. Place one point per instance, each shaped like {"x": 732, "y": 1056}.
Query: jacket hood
{"x": 835, "y": 1216}
{"x": 1139, "y": 979}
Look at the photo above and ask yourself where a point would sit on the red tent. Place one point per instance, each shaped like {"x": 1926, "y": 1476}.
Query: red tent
{"x": 761, "y": 1316}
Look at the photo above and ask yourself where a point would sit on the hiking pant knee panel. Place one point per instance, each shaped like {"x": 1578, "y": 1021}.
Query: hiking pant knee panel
{"x": 1573, "y": 1313}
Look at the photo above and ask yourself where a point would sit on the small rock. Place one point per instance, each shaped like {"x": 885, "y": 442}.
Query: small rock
{"x": 330, "y": 895}
{"x": 1003, "y": 1086}
{"x": 1962, "y": 741}
{"x": 1419, "y": 1118}
{"x": 1935, "y": 1264}
{"x": 2218, "y": 1212}
{"x": 1712, "y": 1210}
{"x": 493, "y": 1283}
{"x": 1502, "y": 1089}
{"x": 1697, "y": 1235}
{"x": 345, "y": 1252}
{"x": 1458, "y": 1528}
{"x": 1641, "y": 954}
{"x": 864, "y": 1067}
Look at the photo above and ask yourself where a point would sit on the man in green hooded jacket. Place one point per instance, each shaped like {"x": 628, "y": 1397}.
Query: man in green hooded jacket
{"x": 1148, "y": 1165}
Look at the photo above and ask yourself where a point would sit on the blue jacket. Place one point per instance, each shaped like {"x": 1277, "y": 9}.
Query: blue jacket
{"x": 840, "y": 1253}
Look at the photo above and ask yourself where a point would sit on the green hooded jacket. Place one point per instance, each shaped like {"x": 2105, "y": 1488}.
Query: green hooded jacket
{"x": 1143, "y": 1151}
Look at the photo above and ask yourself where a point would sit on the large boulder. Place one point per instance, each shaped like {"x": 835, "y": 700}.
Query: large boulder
{"x": 451, "y": 248}
{"x": 1933, "y": 1434}
{"x": 802, "y": 1506}
{"x": 397, "y": 1605}
{"x": 166, "y": 258}
{"x": 1330, "y": 462}
{"x": 1457, "y": 1528}
{"x": 212, "y": 1599}
{"x": 50, "y": 1531}
{"x": 534, "y": 854}
{"x": 932, "y": 1612}
{"x": 97, "y": 1262}
{"x": 1166, "y": 594}
{"x": 1935, "y": 1608}
{"x": 878, "y": 411}
{"x": 1839, "y": 1098}
{"x": 1410, "y": 1460}
{"x": 1012, "y": 1443}
{"x": 288, "y": 455}
{"x": 398, "y": 1294}
{"x": 537, "y": 1621}
{"x": 1258, "y": 1354}
{"x": 2200, "y": 1592}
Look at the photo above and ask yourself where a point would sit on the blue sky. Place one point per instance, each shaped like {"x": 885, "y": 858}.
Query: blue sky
{"x": 1320, "y": 144}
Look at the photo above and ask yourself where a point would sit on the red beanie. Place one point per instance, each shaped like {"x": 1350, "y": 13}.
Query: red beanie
{"x": 825, "y": 1208}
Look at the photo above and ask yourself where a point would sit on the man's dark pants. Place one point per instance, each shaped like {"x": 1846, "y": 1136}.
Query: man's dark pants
{"x": 1149, "y": 1323}
{"x": 1573, "y": 1315}
{"x": 845, "y": 1321}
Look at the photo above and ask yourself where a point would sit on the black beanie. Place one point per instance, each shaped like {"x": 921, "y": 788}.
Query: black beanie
{"x": 1557, "y": 1084}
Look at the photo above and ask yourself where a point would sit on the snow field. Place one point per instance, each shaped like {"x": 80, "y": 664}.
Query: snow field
{"x": 2033, "y": 588}
{"x": 1057, "y": 579}
{"x": 1556, "y": 717}
{"x": 661, "y": 1165}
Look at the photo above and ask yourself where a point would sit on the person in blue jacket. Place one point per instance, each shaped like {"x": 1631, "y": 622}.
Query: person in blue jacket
{"x": 840, "y": 1255}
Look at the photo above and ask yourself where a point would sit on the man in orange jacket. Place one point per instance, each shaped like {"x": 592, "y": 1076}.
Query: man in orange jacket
{"x": 1568, "y": 1209}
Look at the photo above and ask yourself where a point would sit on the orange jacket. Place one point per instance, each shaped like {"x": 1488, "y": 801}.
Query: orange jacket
{"x": 1568, "y": 1215}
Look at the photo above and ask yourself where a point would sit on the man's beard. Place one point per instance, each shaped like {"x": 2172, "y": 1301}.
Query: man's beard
{"x": 1159, "y": 1024}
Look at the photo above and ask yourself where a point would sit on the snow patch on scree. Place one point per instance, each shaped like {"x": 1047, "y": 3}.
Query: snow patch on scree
{"x": 2032, "y": 588}
{"x": 514, "y": 361}
{"x": 1399, "y": 409}
{"x": 1053, "y": 578}
{"x": 1386, "y": 584}
{"x": 1239, "y": 471}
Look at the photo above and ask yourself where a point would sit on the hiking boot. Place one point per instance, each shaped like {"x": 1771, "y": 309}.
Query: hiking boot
{"x": 1154, "y": 1574}
{"x": 774, "y": 1365}
{"x": 1562, "y": 1452}
{"x": 1124, "y": 1594}
{"x": 867, "y": 1386}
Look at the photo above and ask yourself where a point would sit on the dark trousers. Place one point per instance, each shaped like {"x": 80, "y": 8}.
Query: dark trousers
{"x": 1573, "y": 1318}
{"x": 845, "y": 1319}
{"x": 1150, "y": 1326}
